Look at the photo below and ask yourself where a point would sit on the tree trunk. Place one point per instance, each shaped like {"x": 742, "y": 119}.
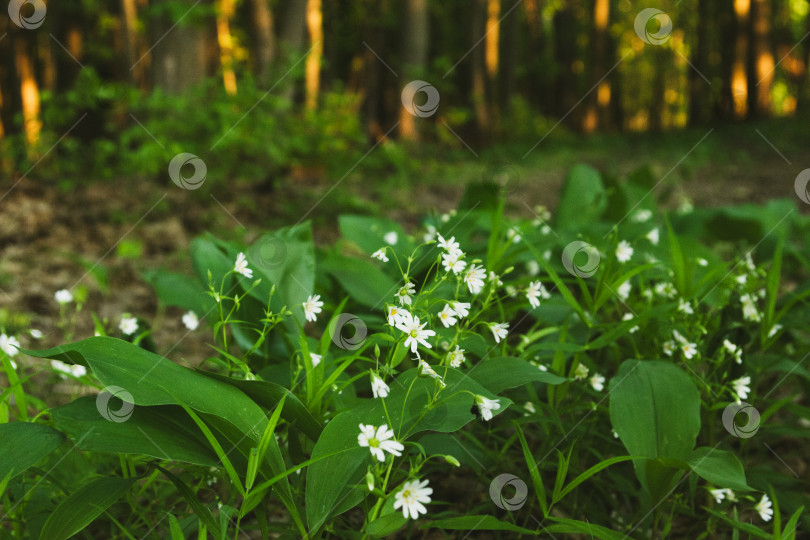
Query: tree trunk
{"x": 313, "y": 65}
{"x": 129, "y": 24}
{"x": 292, "y": 35}
{"x": 29, "y": 89}
{"x": 762, "y": 58}
{"x": 225, "y": 40}
{"x": 179, "y": 59}
{"x": 264, "y": 50}
{"x": 492, "y": 57}
{"x": 698, "y": 88}
{"x": 510, "y": 58}
{"x": 565, "y": 50}
{"x": 414, "y": 57}
{"x": 597, "y": 111}
{"x": 483, "y": 119}
{"x": 739, "y": 74}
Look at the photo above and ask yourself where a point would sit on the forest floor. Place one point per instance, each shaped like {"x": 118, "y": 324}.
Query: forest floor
{"x": 104, "y": 234}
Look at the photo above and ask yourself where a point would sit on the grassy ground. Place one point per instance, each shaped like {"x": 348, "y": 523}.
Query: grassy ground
{"x": 104, "y": 234}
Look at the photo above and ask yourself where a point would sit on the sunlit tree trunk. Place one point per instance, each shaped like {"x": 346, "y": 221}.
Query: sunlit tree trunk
{"x": 265, "y": 42}
{"x": 763, "y": 63}
{"x": 313, "y": 64}
{"x": 29, "y": 89}
{"x": 225, "y": 40}
{"x": 492, "y": 57}
{"x": 698, "y": 88}
{"x": 129, "y": 24}
{"x": 598, "y": 103}
{"x": 739, "y": 73}
{"x": 414, "y": 56}
{"x": 483, "y": 119}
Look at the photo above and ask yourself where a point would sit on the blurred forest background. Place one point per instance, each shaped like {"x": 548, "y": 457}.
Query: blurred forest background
{"x": 260, "y": 88}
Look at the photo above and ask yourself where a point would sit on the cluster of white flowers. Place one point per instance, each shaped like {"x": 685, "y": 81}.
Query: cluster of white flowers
{"x": 688, "y": 348}
{"x": 74, "y": 370}
{"x": 724, "y": 493}
{"x": 734, "y": 349}
{"x": 749, "y": 308}
{"x": 452, "y": 258}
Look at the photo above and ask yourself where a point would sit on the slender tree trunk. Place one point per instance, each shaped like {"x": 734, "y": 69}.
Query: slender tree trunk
{"x": 598, "y": 103}
{"x": 292, "y": 36}
{"x": 739, "y": 74}
{"x": 265, "y": 41}
{"x": 313, "y": 64}
{"x": 225, "y": 40}
{"x": 483, "y": 119}
{"x": 180, "y": 61}
{"x": 510, "y": 58}
{"x": 414, "y": 56}
{"x": 698, "y": 88}
{"x": 492, "y": 57}
{"x": 29, "y": 89}
{"x": 129, "y": 24}
{"x": 762, "y": 57}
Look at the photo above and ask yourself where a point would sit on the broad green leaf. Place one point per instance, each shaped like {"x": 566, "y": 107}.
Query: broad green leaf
{"x": 498, "y": 374}
{"x": 83, "y": 506}
{"x": 329, "y": 481}
{"x": 174, "y": 289}
{"x": 369, "y": 233}
{"x": 582, "y": 201}
{"x": 207, "y": 256}
{"x": 160, "y": 431}
{"x": 476, "y": 523}
{"x": 386, "y": 525}
{"x": 719, "y": 467}
{"x": 655, "y": 409}
{"x": 366, "y": 283}
{"x": 22, "y": 444}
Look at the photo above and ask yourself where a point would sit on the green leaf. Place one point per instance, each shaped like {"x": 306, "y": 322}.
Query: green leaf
{"x": 83, "y": 506}
{"x": 366, "y": 283}
{"x": 207, "y": 256}
{"x": 161, "y": 432}
{"x": 202, "y": 511}
{"x": 386, "y": 525}
{"x": 22, "y": 444}
{"x": 174, "y": 289}
{"x": 531, "y": 463}
{"x": 573, "y": 526}
{"x": 328, "y": 482}
{"x": 368, "y": 232}
{"x": 498, "y": 374}
{"x": 590, "y": 472}
{"x": 475, "y": 523}
{"x": 745, "y": 527}
{"x": 582, "y": 201}
{"x": 655, "y": 409}
{"x": 719, "y": 467}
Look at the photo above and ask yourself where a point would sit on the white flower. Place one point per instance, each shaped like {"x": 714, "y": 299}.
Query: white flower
{"x": 191, "y": 321}
{"x": 669, "y": 347}
{"x": 74, "y": 370}
{"x": 741, "y": 386}
{"x": 493, "y": 277}
{"x": 535, "y": 291}
{"x": 312, "y": 307}
{"x": 734, "y": 350}
{"x": 678, "y": 337}
{"x": 702, "y": 262}
{"x": 430, "y": 234}
{"x": 416, "y": 332}
{"x": 455, "y": 357}
{"x": 63, "y": 296}
{"x": 315, "y": 358}
{"x": 774, "y": 329}
{"x": 78, "y": 370}
{"x": 749, "y": 262}
{"x": 623, "y": 291}
{"x": 742, "y": 279}
{"x": 665, "y": 289}
{"x": 581, "y": 372}
{"x": 241, "y": 266}
{"x": 9, "y": 344}
{"x": 513, "y": 234}
{"x": 653, "y": 236}
{"x": 529, "y": 406}
{"x": 597, "y": 382}
{"x": 689, "y": 350}
{"x": 764, "y": 508}
{"x": 380, "y": 255}
{"x": 474, "y": 278}
{"x": 426, "y": 370}
{"x": 394, "y": 313}
{"x": 499, "y": 331}
{"x": 128, "y": 325}
{"x": 486, "y": 406}
{"x": 378, "y": 386}
{"x": 642, "y": 215}
{"x": 723, "y": 493}
{"x": 36, "y": 334}
{"x": 447, "y": 316}
{"x": 462, "y": 309}
{"x": 404, "y": 294}
{"x": 623, "y": 251}
{"x": 544, "y": 230}
{"x": 629, "y": 317}
{"x": 391, "y": 238}
{"x": 379, "y": 440}
{"x": 411, "y": 498}
{"x": 685, "y": 307}
{"x": 450, "y": 246}
{"x": 533, "y": 267}
{"x": 452, "y": 261}
{"x": 749, "y": 308}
